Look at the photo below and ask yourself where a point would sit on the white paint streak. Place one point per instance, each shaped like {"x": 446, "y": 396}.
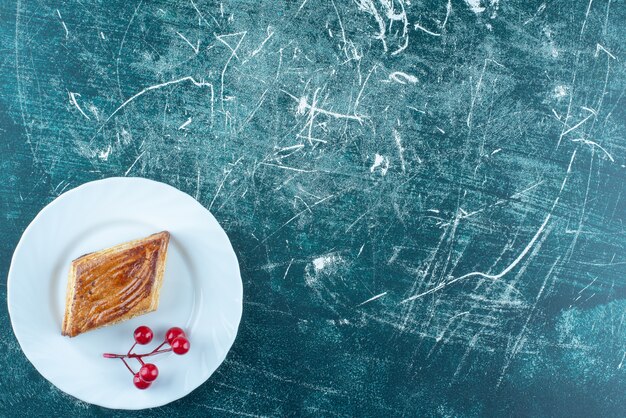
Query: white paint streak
{"x": 402, "y": 78}
{"x": 284, "y": 167}
{"x": 196, "y": 48}
{"x": 595, "y": 144}
{"x": 296, "y": 216}
{"x": 303, "y": 105}
{"x": 601, "y": 48}
{"x": 423, "y": 112}
{"x": 287, "y": 270}
{"x": 560, "y": 91}
{"x": 301, "y": 6}
{"x": 291, "y": 147}
{"x": 372, "y": 299}
{"x": 197, "y": 196}
{"x": 104, "y": 155}
{"x": 270, "y": 33}
{"x": 517, "y": 260}
{"x": 133, "y": 164}
{"x": 156, "y": 87}
{"x": 358, "y": 97}
{"x": 574, "y": 127}
{"x": 185, "y": 124}
{"x": 526, "y": 190}
{"x": 368, "y": 6}
{"x": 582, "y": 29}
{"x": 475, "y": 6}
{"x": 380, "y": 162}
{"x": 233, "y": 54}
{"x": 219, "y": 188}
{"x": 325, "y": 262}
{"x": 423, "y": 29}
{"x": 202, "y": 16}
{"x": 67, "y": 33}
{"x": 397, "y": 139}
{"x": 75, "y": 103}
{"x": 475, "y": 95}
{"x": 251, "y": 115}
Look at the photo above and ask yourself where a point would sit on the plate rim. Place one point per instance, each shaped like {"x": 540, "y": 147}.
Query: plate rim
{"x": 77, "y": 189}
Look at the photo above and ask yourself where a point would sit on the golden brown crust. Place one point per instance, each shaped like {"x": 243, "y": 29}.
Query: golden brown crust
{"x": 115, "y": 284}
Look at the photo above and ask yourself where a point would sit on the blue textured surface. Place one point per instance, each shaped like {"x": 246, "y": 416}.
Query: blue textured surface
{"x": 427, "y": 198}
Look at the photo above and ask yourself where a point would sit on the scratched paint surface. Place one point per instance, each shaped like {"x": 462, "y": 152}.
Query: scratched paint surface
{"x": 426, "y": 197}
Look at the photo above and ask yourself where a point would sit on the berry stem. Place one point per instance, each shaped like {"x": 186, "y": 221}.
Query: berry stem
{"x": 110, "y": 355}
{"x": 131, "y": 348}
{"x": 162, "y": 344}
{"x": 140, "y": 361}
{"x": 137, "y": 356}
{"x": 127, "y": 366}
{"x": 167, "y": 350}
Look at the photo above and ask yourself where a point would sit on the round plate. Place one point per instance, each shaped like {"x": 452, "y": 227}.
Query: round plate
{"x": 202, "y": 291}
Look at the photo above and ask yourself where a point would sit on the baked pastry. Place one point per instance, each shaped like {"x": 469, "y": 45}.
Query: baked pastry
{"x": 115, "y": 284}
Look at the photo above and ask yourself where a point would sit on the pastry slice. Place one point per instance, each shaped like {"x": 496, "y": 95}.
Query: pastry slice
{"x": 115, "y": 284}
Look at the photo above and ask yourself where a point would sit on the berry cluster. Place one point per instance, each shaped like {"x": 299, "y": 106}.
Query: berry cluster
{"x": 175, "y": 337}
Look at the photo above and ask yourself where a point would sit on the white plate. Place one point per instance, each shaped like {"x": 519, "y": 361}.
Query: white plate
{"x": 202, "y": 291}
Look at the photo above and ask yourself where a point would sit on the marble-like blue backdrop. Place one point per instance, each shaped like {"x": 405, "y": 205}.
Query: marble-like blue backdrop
{"x": 426, "y": 197}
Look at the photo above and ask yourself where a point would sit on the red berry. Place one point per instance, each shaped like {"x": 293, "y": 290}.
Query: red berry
{"x": 140, "y": 383}
{"x": 173, "y": 333}
{"x": 180, "y": 345}
{"x": 148, "y": 372}
{"x": 143, "y": 335}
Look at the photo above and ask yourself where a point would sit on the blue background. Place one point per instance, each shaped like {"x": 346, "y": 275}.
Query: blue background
{"x": 426, "y": 198}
